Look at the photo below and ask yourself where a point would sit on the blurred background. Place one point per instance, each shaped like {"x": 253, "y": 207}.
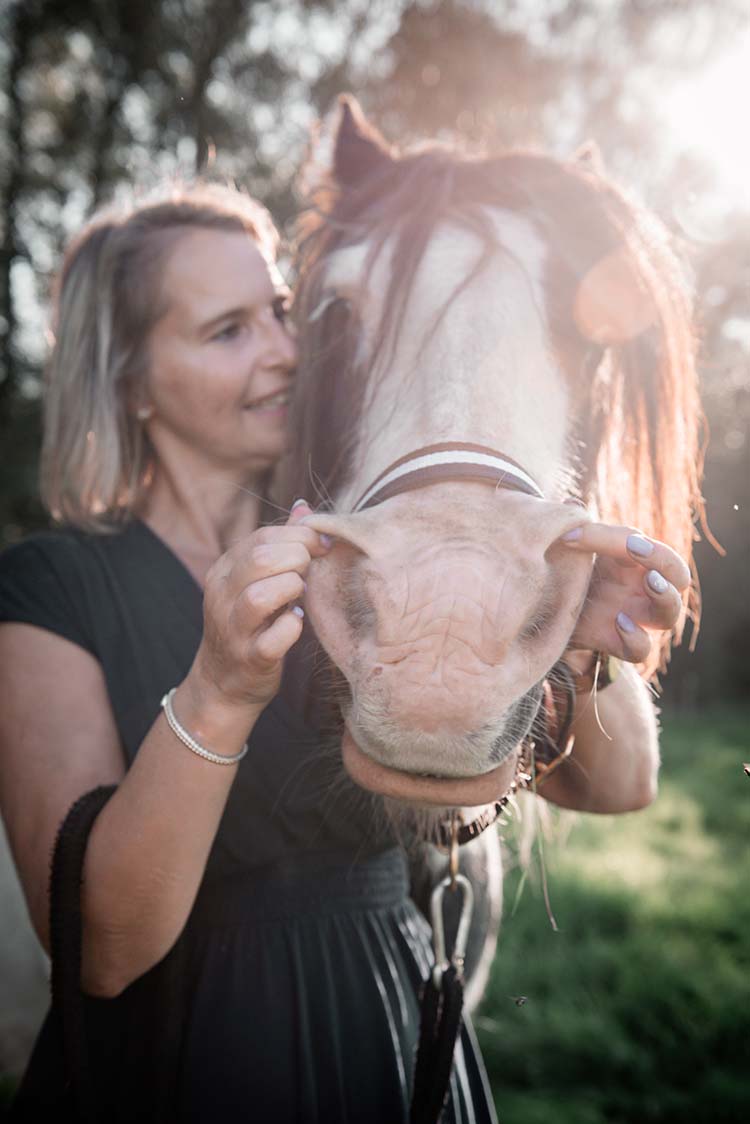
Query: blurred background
{"x": 638, "y": 1008}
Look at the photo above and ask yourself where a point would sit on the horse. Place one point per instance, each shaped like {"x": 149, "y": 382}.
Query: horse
{"x": 487, "y": 346}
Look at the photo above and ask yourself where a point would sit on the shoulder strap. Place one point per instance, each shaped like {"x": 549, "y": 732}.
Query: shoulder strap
{"x": 65, "y": 941}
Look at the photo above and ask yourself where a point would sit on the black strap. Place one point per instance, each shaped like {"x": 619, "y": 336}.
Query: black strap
{"x": 66, "y": 930}
{"x": 439, "y": 1027}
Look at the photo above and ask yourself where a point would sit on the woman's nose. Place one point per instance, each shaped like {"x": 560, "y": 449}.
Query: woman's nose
{"x": 281, "y": 345}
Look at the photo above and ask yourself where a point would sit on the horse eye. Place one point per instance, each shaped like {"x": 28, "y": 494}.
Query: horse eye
{"x": 280, "y": 308}
{"x": 327, "y": 301}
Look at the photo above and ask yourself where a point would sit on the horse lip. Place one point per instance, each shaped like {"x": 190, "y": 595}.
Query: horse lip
{"x": 453, "y": 792}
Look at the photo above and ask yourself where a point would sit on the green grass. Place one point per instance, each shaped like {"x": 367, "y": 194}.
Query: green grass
{"x": 638, "y": 1009}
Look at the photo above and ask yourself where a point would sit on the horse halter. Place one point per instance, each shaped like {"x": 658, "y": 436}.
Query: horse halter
{"x": 455, "y": 461}
{"x": 448, "y": 461}
{"x": 442, "y": 998}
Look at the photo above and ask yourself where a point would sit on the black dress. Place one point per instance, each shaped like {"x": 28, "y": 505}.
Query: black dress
{"x": 291, "y": 994}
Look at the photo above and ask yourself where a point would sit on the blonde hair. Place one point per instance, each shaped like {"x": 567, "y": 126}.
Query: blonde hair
{"x": 96, "y": 459}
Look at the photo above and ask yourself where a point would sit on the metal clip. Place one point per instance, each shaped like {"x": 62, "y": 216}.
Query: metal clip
{"x": 442, "y": 961}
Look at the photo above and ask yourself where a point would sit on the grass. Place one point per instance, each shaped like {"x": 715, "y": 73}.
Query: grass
{"x": 638, "y": 1009}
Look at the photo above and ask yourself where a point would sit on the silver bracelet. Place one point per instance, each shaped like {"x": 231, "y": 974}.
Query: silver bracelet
{"x": 188, "y": 740}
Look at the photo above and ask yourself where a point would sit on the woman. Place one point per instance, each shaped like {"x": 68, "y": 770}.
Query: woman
{"x": 248, "y": 943}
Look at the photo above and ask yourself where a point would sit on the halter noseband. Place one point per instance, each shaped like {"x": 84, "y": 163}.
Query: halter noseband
{"x": 454, "y": 461}
{"x": 448, "y": 461}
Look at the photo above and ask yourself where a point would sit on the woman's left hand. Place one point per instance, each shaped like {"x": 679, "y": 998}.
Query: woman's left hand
{"x": 636, "y": 588}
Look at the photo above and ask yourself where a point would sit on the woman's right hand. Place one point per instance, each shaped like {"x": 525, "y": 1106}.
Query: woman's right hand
{"x": 637, "y": 589}
{"x": 250, "y": 619}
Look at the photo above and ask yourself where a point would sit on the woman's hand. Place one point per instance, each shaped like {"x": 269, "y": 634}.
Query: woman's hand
{"x": 251, "y": 615}
{"x": 636, "y": 589}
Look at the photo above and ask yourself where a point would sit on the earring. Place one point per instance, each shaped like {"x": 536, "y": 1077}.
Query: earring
{"x": 143, "y": 413}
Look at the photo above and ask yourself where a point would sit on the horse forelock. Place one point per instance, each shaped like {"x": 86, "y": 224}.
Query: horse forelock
{"x": 399, "y": 211}
{"x": 636, "y": 400}
{"x": 396, "y": 217}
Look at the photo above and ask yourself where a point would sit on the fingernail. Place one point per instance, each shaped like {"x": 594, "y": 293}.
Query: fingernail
{"x": 298, "y": 503}
{"x": 572, "y": 536}
{"x": 640, "y": 546}
{"x": 298, "y": 611}
{"x": 326, "y": 541}
{"x": 658, "y": 583}
{"x": 624, "y": 622}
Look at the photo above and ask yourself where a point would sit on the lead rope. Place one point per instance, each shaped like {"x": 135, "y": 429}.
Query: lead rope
{"x": 66, "y": 929}
{"x": 443, "y": 992}
{"x": 442, "y": 997}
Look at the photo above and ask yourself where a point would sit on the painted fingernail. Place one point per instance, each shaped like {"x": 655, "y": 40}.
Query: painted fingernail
{"x": 572, "y": 536}
{"x": 298, "y": 611}
{"x": 298, "y": 503}
{"x": 326, "y": 541}
{"x": 640, "y": 546}
{"x": 624, "y": 622}
{"x": 657, "y": 582}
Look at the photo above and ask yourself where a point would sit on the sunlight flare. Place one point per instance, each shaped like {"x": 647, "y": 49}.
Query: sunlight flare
{"x": 708, "y": 113}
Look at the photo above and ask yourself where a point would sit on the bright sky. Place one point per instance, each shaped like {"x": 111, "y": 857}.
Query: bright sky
{"x": 710, "y": 115}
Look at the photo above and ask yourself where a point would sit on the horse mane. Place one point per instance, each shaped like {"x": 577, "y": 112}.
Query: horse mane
{"x": 637, "y": 427}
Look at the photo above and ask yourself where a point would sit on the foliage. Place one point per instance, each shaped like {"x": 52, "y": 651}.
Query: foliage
{"x": 98, "y": 93}
{"x": 637, "y": 1009}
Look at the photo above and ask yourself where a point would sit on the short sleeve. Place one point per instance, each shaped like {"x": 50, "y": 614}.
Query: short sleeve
{"x": 43, "y": 583}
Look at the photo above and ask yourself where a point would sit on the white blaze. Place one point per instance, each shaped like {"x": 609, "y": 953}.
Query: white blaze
{"x": 486, "y": 374}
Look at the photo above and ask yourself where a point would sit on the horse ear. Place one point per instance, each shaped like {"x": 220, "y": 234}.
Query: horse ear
{"x": 344, "y": 149}
{"x": 611, "y": 303}
{"x": 359, "y": 149}
{"x": 589, "y": 156}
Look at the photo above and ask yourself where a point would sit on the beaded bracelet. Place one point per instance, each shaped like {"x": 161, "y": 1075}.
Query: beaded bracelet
{"x": 187, "y": 739}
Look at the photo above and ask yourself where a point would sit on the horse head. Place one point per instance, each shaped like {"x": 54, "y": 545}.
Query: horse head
{"x": 483, "y": 341}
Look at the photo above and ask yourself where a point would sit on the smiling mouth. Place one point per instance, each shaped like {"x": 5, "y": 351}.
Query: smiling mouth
{"x": 270, "y": 401}
{"x": 446, "y": 792}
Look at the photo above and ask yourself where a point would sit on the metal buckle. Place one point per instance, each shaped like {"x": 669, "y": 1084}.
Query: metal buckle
{"x": 452, "y": 881}
{"x": 458, "y": 956}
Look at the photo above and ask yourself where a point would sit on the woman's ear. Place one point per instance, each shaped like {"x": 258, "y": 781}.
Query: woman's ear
{"x": 137, "y": 403}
